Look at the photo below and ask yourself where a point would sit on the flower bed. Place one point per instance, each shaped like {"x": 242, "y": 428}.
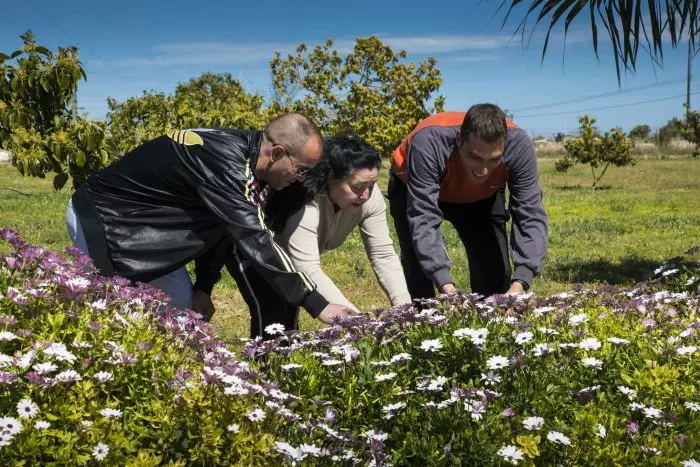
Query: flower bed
{"x": 89, "y": 371}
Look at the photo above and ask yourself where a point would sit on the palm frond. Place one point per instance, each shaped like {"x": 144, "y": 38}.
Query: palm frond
{"x": 630, "y": 24}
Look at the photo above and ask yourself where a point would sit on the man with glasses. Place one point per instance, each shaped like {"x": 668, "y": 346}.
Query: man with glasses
{"x": 456, "y": 166}
{"x": 172, "y": 199}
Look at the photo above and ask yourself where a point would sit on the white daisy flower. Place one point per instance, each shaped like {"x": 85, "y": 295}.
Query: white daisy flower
{"x": 541, "y": 350}
{"x": 618, "y": 341}
{"x": 592, "y": 362}
{"x": 568, "y": 345}
{"x": 376, "y": 435}
{"x": 511, "y": 454}
{"x": 27, "y": 409}
{"x": 543, "y": 310}
{"x": 651, "y": 412}
{"x": 400, "y": 356}
{"x": 558, "y": 438}
{"x": 478, "y": 336}
{"x": 11, "y": 425}
{"x": 690, "y": 463}
{"x": 235, "y": 428}
{"x": 44, "y": 368}
{"x": 431, "y": 345}
{"x": 686, "y": 350}
{"x": 523, "y": 337}
{"x": 274, "y": 329}
{"x": 7, "y": 336}
{"x": 290, "y": 366}
{"x": 42, "y": 425}
{"x": 548, "y": 332}
{"x": 497, "y": 362}
{"x": 385, "y": 377}
{"x": 110, "y": 413}
{"x": 602, "y": 432}
{"x": 490, "y": 378}
{"x": 575, "y": 320}
{"x": 103, "y": 376}
{"x": 692, "y": 406}
{"x": 533, "y": 423}
{"x": 631, "y": 393}
{"x": 331, "y": 362}
{"x": 68, "y": 375}
{"x": 256, "y": 415}
{"x": 100, "y": 451}
{"x": 590, "y": 343}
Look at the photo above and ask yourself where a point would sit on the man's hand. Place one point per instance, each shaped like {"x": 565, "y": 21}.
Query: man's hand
{"x": 202, "y": 304}
{"x": 447, "y": 288}
{"x": 332, "y": 311}
{"x": 516, "y": 288}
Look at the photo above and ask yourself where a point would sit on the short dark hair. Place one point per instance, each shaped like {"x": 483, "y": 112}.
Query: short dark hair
{"x": 292, "y": 130}
{"x": 486, "y": 121}
{"x": 342, "y": 155}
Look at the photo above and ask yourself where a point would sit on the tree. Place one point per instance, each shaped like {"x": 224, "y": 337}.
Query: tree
{"x": 373, "y": 92}
{"x": 211, "y": 100}
{"x": 640, "y": 132}
{"x": 599, "y": 151}
{"x": 691, "y": 128}
{"x": 629, "y": 24}
{"x": 672, "y": 129}
{"x": 39, "y": 122}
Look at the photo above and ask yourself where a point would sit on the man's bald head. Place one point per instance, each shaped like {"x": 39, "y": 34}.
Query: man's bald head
{"x": 293, "y": 131}
{"x": 291, "y": 146}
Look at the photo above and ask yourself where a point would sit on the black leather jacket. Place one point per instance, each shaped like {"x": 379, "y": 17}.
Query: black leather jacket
{"x": 172, "y": 199}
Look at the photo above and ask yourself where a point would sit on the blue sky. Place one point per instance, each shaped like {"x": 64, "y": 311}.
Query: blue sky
{"x": 127, "y": 47}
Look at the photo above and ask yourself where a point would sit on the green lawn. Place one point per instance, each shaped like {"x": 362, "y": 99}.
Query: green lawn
{"x": 644, "y": 215}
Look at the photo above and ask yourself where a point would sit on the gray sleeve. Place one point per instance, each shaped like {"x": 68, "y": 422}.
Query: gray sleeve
{"x": 425, "y": 168}
{"x": 529, "y": 231}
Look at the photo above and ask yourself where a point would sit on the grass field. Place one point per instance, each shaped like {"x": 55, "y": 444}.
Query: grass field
{"x": 644, "y": 215}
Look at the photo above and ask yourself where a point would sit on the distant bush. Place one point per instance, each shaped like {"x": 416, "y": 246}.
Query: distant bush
{"x": 597, "y": 150}
{"x": 640, "y": 132}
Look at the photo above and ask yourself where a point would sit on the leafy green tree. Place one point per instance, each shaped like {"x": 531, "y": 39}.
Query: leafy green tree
{"x": 628, "y": 23}
{"x": 640, "y": 132}
{"x": 373, "y": 92}
{"x": 672, "y": 129}
{"x": 211, "y": 100}
{"x": 596, "y": 150}
{"x": 39, "y": 122}
{"x": 691, "y": 128}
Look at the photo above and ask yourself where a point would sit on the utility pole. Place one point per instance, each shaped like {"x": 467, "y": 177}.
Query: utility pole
{"x": 690, "y": 60}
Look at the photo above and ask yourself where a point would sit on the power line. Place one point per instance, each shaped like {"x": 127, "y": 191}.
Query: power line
{"x": 70, "y": 38}
{"x": 607, "y": 107}
{"x": 114, "y": 27}
{"x": 597, "y": 96}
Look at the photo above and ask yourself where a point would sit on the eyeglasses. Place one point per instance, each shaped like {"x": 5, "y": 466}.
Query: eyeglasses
{"x": 299, "y": 172}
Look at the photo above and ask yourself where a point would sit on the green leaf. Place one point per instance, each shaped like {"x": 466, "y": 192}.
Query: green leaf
{"x": 80, "y": 158}
{"x": 59, "y": 181}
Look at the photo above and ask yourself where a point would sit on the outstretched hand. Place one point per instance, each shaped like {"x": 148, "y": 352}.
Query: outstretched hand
{"x": 516, "y": 288}
{"x": 332, "y": 311}
{"x": 202, "y": 304}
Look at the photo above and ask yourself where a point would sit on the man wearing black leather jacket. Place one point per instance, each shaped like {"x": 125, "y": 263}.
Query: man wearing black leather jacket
{"x": 172, "y": 199}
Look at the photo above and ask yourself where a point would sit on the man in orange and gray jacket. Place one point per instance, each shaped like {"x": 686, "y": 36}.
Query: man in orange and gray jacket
{"x": 456, "y": 166}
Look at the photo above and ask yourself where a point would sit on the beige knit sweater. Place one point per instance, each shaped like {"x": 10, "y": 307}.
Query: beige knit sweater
{"x": 317, "y": 228}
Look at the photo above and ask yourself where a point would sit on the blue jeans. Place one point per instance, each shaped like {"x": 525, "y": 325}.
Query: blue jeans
{"x": 177, "y": 285}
